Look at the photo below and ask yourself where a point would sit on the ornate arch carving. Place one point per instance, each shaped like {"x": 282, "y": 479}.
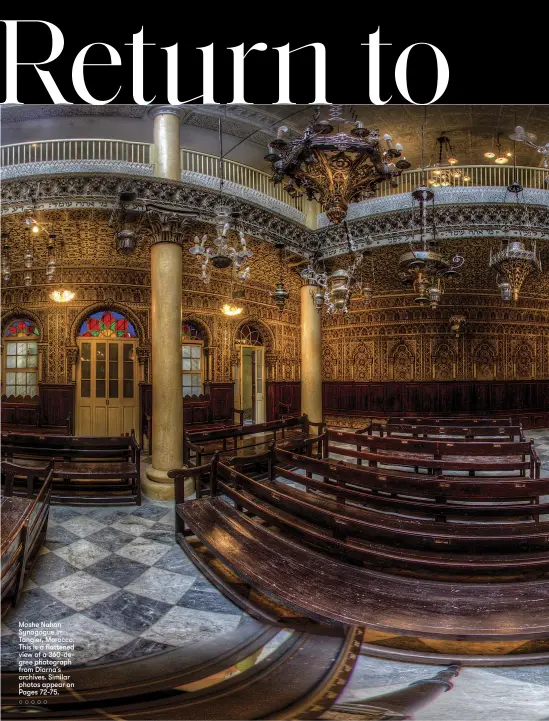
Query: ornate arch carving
{"x": 484, "y": 362}
{"x": 201, "y": 324}
{"x": 329, "y": 364}
{"x": 267, "y": 334}
{"x": 362, "y": 363}
{"x": 109, "y": 305}
{"x": 18, "y": 312}
{"x": 444, "y": 360}
{"x": 523, "y": 362}
{"x": 403, "y": 362}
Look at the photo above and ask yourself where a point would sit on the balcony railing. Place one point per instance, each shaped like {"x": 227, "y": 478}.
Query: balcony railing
{"x": 51, "y": 151}
{"x": 139, "y": 158}
{"x": 121, "y": 151}
{"x": 469, "y": 176}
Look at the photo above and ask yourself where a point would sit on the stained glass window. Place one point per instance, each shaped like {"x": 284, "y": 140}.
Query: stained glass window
{"x": 21, "y": 359}
{"x": 21, "y": 328}
{"x": 107, "y": 324}
{"x": 248, "y": 335}
{"x": 189, "y": 332}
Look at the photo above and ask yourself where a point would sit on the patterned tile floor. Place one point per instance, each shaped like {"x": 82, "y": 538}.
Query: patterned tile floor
{"x": 119, "y": 585}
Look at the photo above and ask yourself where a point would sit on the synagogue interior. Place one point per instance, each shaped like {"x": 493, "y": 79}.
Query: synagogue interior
{"x": 275, "y": 409}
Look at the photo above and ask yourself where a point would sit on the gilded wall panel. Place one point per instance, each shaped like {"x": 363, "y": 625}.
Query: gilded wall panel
{"x": 88, "y": 264}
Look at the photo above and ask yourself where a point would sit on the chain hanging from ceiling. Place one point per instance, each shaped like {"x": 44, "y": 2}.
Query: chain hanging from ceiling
{"x": 424, "y": 266}
{"x": 227, "y": 251}
{"x": 280, "y": 295}
{"x": 517, "y": 258}
{"x": 336, "y": 162}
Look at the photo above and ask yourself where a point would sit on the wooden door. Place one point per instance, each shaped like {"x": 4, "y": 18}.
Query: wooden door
{"x": 106, "y": 402}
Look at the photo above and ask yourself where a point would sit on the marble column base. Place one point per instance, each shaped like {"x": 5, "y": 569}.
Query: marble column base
{"x": 157, "y": 486}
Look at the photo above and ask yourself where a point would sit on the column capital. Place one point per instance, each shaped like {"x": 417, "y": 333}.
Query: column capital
{"x": 166, "y": 110}
{"x": 309, "y": 282}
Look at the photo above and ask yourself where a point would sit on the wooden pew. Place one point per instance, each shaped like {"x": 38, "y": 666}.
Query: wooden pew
{"x": 23, "y": 529}
{"x": 457, "y": 433}
{"x": 25, "y": 480}
{"x": 295, "y": 433}
{"x": 367, "y": 535}
{"x": 436, "y": 495}
{"x": 436, "y": 456}
{"x": 87, "y": 469}
{"x": 455, "y": 421}
{"x": 323, "y": 589}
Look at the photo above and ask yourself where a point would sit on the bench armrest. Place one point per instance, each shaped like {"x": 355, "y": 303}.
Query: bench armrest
{"x": 240, "y": 414}
{"x": 180, "y": 474}
{"x": 199, "y": 450}
{"x": 535, "y": 463}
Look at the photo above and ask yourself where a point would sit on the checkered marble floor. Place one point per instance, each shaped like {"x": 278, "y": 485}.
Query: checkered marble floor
{"x": 119, "y": 584}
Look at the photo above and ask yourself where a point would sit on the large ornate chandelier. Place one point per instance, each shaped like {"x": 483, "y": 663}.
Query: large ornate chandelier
{"x": 222, "y": 254}
{"x": 424, "y": 266}
{"x": 335, "y": 162}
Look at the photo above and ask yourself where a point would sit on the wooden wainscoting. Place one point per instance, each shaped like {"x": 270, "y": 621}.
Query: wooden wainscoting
{"x": 286, "y": 392}
{"x": 527, "y": 402}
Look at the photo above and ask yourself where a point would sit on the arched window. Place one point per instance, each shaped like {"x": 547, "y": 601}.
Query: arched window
{"x": 248, "y": 335}
{"x": 107, "y": 324}
{"x": 20, "y": 367}
{"x": 192, "y": 367}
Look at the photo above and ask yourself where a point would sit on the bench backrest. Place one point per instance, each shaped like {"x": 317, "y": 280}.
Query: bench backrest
{"x": 393, "y": 481}
{"x": 463, "y": 421}
{"x": 436, "y": 448}
{"x": 18, "y": 445}
{"x": 239, "y": 431}
{"x": 466, "y": 432}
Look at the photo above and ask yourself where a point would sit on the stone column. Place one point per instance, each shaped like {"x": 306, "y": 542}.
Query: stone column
{"x": 166, "y": 283}
{"x": 311, "y": 356}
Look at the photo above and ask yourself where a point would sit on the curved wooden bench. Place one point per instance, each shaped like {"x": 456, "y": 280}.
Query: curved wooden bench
{"x": 422, "y": 485}
{"x": 435, "y": 456}
{"x": 329, "y": 591}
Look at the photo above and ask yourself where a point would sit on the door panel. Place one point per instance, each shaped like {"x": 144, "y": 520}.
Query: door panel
{"x": 106, "y": 395}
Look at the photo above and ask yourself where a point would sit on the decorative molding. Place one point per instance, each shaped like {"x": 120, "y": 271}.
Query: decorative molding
{"x": 503, "y": 220}
{"x": 76, "y": 166}
{"x": 76, "y": 191}
{"x": 246, "y": 194}
{"x": 478, "y": 195}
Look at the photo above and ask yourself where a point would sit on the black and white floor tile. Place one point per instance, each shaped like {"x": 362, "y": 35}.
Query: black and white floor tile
{"x": 119, "y": 584}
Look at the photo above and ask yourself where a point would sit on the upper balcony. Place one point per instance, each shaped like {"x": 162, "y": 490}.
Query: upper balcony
{"x": 473, "y": 184}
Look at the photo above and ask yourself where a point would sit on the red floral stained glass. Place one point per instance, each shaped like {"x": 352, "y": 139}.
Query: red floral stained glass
{"x": 107, "y": 324}
{"x": 190, "y": 332}
{"x": 22, "y": 328}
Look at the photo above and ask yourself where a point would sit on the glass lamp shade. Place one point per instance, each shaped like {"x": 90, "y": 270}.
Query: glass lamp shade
{"x": 62, "y": 295}
{"x": 126, "y": 241}
{"x": 506, "y": 291}
{"x": 367, "y": 294}
{"x": 280, "y": 296}
{"x": 231, "y": 310}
